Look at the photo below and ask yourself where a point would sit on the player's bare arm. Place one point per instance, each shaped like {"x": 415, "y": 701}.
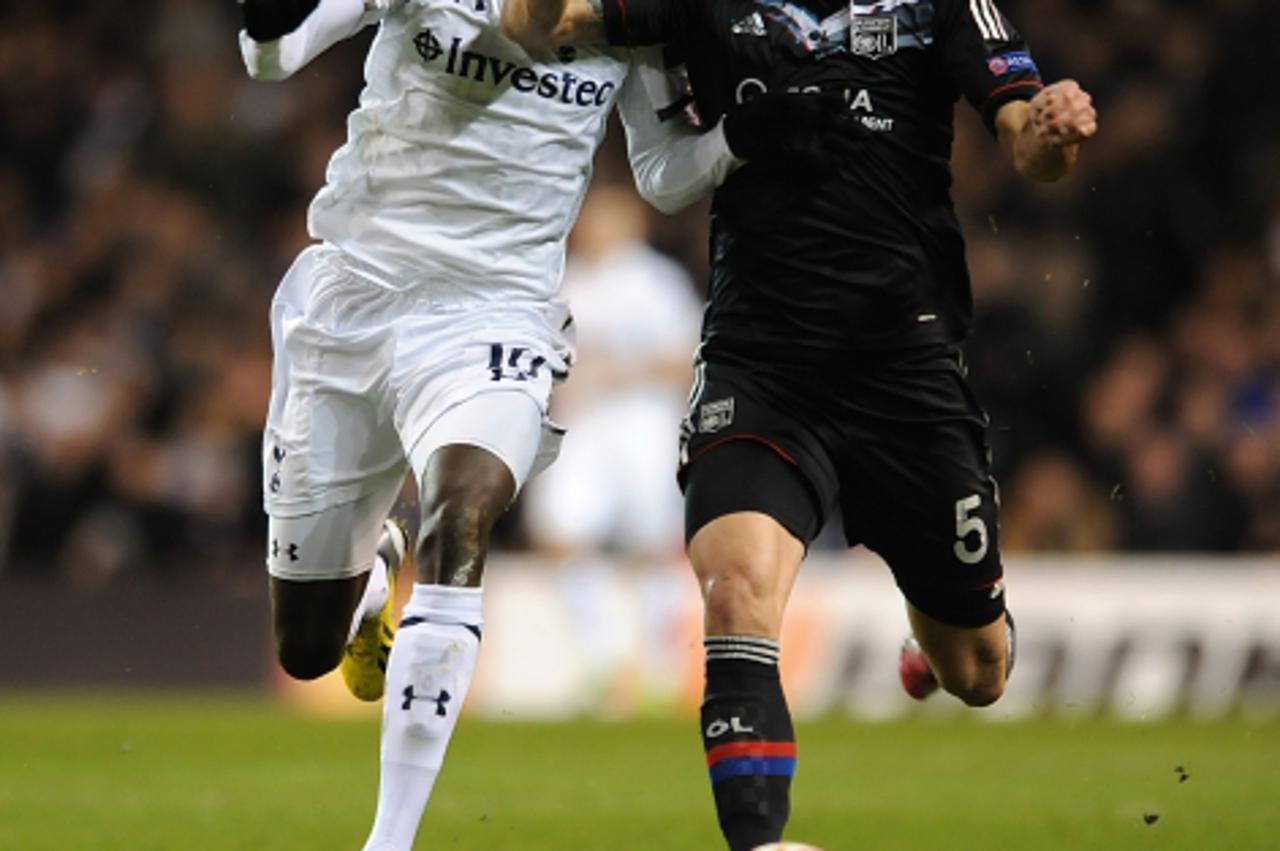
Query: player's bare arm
{"x": 542, "y": 23}
{"x": 1042, "y": 136}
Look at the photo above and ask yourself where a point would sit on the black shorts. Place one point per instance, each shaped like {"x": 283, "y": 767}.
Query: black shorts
{"x": 898, "y": 447}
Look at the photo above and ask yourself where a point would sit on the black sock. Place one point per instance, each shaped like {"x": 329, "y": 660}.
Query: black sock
{"x": 747, "y": 735}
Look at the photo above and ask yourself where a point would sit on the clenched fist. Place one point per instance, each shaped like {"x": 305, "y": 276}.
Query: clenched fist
{"x": 1063, "y": 114}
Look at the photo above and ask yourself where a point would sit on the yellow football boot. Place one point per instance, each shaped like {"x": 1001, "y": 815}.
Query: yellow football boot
{"x": 364, "y": 661}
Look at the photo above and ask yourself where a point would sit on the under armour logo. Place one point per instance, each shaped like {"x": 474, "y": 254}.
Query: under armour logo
{"x": 440, "y": 700}
{"x": 290, "y": 550}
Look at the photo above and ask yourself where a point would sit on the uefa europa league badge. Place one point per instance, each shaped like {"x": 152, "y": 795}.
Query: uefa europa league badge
{"x": 872, "y": 36}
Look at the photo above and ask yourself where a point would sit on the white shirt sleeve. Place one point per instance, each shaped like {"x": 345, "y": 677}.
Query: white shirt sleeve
{"x": 329, "y": 23}
{"x": 673, "y": 163}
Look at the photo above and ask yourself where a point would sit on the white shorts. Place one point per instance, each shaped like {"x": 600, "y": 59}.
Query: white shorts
{"x": 368, "y": 382}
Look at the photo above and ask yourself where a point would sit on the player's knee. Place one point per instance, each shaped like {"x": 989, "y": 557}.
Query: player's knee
{"x": 983, "y": 692}
{"x": 305, "y": 659}
{"x": 740, "y": 599}
{"x": 977, "y": 685}
{"x": 458, "y": 517}
{"x": 456, "y": 523}
{"x": 310, "y": 623}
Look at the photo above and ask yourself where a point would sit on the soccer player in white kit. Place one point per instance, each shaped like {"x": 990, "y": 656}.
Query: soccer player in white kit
{"x": 421, "y": 332}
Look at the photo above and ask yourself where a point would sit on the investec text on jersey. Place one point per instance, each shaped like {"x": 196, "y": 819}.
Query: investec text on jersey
{"x": 482, "y": 68}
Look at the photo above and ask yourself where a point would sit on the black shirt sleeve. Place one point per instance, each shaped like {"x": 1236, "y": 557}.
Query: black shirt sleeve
{"x": 985, "y": 56}
{"x": 636, "y": 23}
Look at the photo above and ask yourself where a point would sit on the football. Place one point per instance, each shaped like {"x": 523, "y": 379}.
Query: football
{"x": 786, "y": 846}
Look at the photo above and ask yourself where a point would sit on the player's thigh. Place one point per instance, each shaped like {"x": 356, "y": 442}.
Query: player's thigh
{"x": 750, "y": 518}
{"x": 743, "y": 448}
{"x": 336, "y": 542}
{"x": 479, "y": 376}
{"x": 922, "y": 497}
{"x": 507, "y": 425}
{"x": 332, "y": 461}
{"x": 330, "y": 437}
{"x": 470, "y": 464}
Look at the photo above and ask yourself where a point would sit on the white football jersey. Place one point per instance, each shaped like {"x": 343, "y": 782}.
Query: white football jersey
{"x": 468, "y": 158}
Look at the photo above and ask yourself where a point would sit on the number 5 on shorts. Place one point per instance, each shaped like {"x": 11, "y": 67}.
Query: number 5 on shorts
{"x": 967, "y": 521}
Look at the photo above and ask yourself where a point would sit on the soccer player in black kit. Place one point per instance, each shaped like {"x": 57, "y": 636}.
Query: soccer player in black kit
{"x": 829, "y": 376}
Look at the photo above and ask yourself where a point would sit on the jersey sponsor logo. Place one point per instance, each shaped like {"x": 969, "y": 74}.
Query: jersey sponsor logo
{"x": 1012, "y": 62}
{"x": 713, "y": 416}
{"x": 560, "y": 86}
{"x": 873, "y": 36}
{"x": 859, "y": 102}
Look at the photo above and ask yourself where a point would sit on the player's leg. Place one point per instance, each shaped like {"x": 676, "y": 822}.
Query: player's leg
{"x": 971, "y": 663}
{"x": 917, "y": 489}
{"x": 373, "y": 625}
{"x": 329, "y": 571}
{"x": 470, "y": 465}
{"x": 750, "y": 515}
{"x": 963, "y": 637}
{"x": 307, "y": 619}
{"x": 332, "y": 467}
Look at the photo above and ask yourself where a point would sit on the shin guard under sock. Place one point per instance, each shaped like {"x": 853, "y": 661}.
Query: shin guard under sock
{"x": 749, "y": 742}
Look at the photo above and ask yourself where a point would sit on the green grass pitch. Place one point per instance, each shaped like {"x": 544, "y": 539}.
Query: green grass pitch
{"x": 88, "y": 771}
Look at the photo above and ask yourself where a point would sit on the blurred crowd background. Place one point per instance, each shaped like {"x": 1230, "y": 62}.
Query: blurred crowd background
{"x": 151, "y": 196}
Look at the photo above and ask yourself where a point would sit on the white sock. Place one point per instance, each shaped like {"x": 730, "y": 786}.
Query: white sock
{"x": 432, "y": 661}
{"x": 374, "y": 598}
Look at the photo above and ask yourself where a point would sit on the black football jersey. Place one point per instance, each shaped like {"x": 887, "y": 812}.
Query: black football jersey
{"x": 867, "y": 256}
